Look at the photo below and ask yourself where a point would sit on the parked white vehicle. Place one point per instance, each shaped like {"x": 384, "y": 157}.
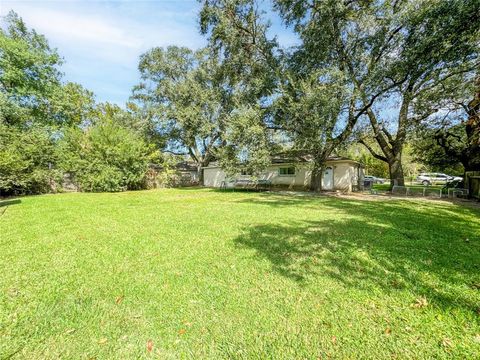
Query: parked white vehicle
{"x": 436, "y": 178}
{"x": 374, "y": 179}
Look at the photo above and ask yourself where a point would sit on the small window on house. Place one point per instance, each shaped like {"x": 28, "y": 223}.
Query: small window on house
{"x": 287, "y": 170}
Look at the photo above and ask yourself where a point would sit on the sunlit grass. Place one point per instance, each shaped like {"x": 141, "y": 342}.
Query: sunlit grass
{"x": 206, "y": 274}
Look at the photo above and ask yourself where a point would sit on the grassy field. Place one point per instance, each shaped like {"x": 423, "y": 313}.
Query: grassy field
{"x": 204, "y": 274}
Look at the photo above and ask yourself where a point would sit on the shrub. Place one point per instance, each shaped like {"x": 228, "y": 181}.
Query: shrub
{"x": 104, "y": 157}
{"x": 26, "y": 161}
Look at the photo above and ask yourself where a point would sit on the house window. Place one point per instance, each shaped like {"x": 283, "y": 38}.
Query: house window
{"x": 287, "y": 170}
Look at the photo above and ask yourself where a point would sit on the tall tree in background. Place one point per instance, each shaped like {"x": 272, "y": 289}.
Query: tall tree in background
{"x": 312, "y": 103}
{"x": 398, "y": 52}
{"x": 29, "y": 74}
{"x": 317, "y": 112}
{"x": 34, "y": 107}
{"x": 455, "y": 136}
{"x": 182, "y": 94}
{"x": 248, "y": 65}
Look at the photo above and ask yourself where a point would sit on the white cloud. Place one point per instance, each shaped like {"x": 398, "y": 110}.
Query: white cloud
{"x": 74, "y": 27}
{"x": 101, "y": 41}
{"x": 110, "y": 32}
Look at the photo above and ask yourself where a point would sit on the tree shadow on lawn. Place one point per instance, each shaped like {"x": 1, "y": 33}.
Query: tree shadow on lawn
{"x": 9, "y": 202}
{"x": 4, "y": 204}
{"x": 376, "y": 246}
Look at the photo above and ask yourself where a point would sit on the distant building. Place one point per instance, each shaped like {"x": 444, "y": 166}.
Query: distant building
{"x": 340, "y": 174}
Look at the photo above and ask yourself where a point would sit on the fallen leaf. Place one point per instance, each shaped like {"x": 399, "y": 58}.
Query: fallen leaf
{"x": 420, "y": 302}
{"x": 334, "y": 339}
{"x": 182, "y": 331}
{"x": 103, "y": 341}
{"x": 149, "y": 345}
{"x": 13, "y": 292}
{"x": 70, "y": 331}
{"x": 446, "y": 342}
{"x": 119, "y": 300}
{"x": 388, "y": 331}
{"x": 476, "y": 338}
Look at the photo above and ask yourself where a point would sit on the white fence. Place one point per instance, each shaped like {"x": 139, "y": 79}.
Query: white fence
{"x": 428, "y": 192}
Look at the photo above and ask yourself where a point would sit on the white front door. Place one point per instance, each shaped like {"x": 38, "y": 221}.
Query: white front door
{"x": 327, "y": 183}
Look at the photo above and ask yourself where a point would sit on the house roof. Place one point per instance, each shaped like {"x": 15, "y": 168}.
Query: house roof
{"x": 305, "y": 159}
{"x": 180, "y": 166}
{"x": 186, "y": 166}
{"x": 279, "y": 160}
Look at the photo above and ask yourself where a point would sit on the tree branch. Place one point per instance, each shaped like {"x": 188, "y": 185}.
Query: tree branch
{"x": 192, "y": 154}
{"x": 370, "y": 149}
{"x": 388, "y": 135}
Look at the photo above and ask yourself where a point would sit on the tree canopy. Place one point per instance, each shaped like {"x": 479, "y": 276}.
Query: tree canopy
{"x": 181, "y": 92}
{"x": 413, "y": 54}
{"x": 396, "y": 76}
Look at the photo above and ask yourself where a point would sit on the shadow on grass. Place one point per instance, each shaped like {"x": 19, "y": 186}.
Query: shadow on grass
{"x": 4, "y": 204}
{"x": 376, "y": 246}
{"x": 9, "y": 202}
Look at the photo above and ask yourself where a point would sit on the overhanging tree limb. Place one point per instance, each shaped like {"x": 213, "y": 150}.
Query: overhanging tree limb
{"x": 370, "y": 149}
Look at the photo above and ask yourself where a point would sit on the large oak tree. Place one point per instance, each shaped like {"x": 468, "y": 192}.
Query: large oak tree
{"x": 393, "y": 51}
{"x": 181, "y": 94}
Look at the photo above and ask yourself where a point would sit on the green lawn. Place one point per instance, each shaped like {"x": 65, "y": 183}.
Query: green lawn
{"x": 207, "y": 274}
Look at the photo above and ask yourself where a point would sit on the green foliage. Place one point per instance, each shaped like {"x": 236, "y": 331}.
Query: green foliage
{"x": 26, "y": 159}
{"x": 452, "y": 142}
{"x": 29, "y": 74}
{"x": 238, "y": 35}
{"x": 71, "y": 104}
{"x": 183, "y": 98}
{"x": 105, "y": 156}
{"x": 309, "y": 110}
{"x": 34, "y": 106}
{"x": 373, "y": 166}
{"x": 428, "y": 151}
{"x": 247, "y": 144}
{"x": 415, "y": 54}
{"x": 248, "y": 67}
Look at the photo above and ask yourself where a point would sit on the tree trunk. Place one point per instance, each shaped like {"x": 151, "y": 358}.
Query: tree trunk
{"x": 202, "y": 162}
{"x": 396, "y": 171}
{"x": 392, "y": 146}
{"x": 200, "y": 172}
{"x": 316, "y": 178}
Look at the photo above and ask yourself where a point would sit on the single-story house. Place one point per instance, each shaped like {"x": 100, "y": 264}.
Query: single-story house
{"x": 340, "y": 174}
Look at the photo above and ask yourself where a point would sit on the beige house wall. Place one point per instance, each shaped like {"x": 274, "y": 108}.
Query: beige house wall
{"x": 344, "y": 172}
{"x": 300, "y": 179}
{"x": 213, "y": 177}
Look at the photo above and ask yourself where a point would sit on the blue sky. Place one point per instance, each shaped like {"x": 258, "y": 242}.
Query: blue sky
{"x": 101, "y": 41}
